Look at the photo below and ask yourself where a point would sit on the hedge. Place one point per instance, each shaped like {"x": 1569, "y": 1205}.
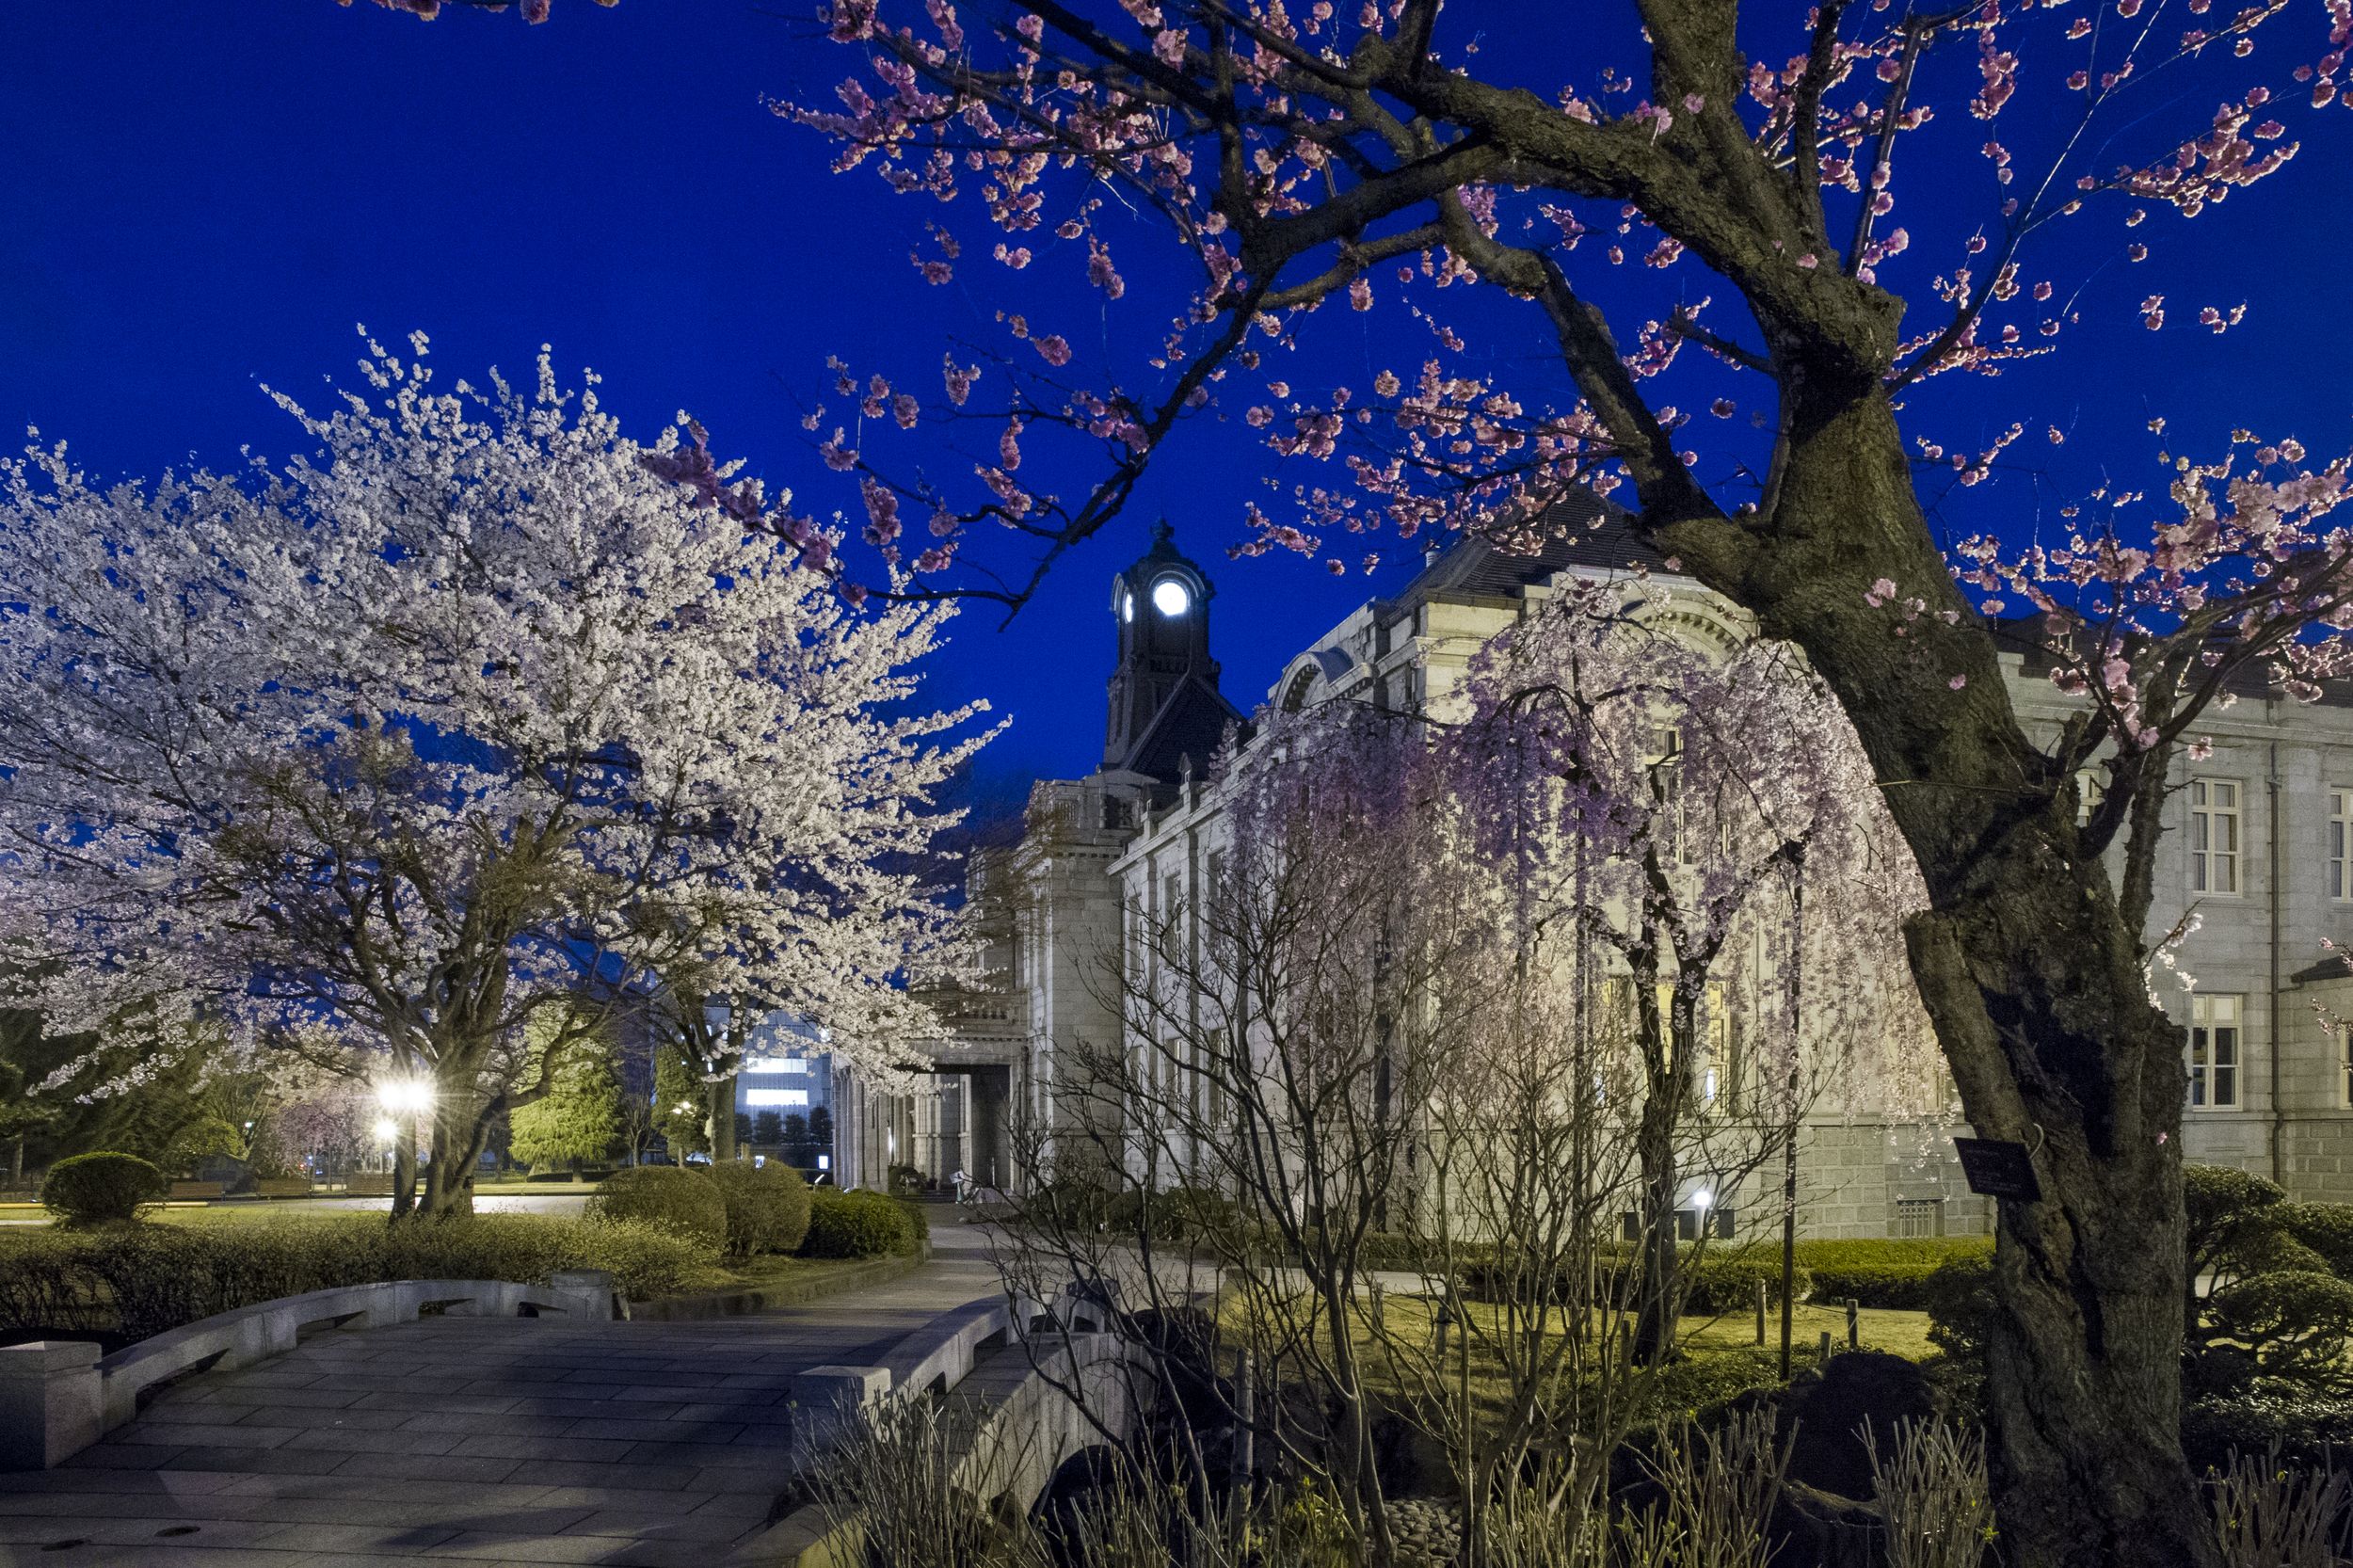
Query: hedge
{"x": 137, "y": 1281}
{"x": 1880, "y": 1274}
{"x": 686, "y": 1201}
{"x": 857, "y": 1224}
{"x": 1713, "y": 1280}
{"x": 100, "y": 1188}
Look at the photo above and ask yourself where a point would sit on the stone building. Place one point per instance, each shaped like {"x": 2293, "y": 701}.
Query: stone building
{"x": 2260, "y": 847}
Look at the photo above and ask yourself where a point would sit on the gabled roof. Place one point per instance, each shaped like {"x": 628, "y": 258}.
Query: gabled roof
{"x": 1578, "y": 530}
{"x": 1191, "y": 722}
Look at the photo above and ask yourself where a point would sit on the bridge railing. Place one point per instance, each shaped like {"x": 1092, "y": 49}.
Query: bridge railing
{"x": 58, "y": 1396}
{"x": 1016, "y": 1360}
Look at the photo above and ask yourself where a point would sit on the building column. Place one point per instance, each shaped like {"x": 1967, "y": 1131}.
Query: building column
{"x": 988, "y": 1130}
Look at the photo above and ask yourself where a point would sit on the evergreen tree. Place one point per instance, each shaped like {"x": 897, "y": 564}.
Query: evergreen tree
{"x": 578, "y": 1115}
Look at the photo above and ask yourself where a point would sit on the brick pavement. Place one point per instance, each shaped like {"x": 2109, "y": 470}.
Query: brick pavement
{"x": 477, "y": 1440}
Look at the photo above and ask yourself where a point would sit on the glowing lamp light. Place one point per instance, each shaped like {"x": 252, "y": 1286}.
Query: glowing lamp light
{"x": 404, "y": 1096}
{"x": 1170, "y": 597}
{"x": 387, "y": 1131}
{"x": 1703, "y": 1200}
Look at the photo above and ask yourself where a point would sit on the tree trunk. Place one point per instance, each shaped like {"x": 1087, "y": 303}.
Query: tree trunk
{"x": 404, "y": 1168}
{"x": 2033, "y": 979}
{"x": 1657, "y": 1287}
{"x": 719, "y": 1119}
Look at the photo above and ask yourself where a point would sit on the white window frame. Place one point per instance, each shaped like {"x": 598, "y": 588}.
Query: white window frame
{"x": 2344, "y": 1034}
{"x": 2216, "y": 836}
{"x": 2218, "y": 1050}
{"x": 2340, "y": 844}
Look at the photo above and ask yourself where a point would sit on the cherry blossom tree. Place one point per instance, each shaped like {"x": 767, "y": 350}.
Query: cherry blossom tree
{"x": 408, "y": 746}
{"x": 1691, "y": 212}
{"x": 1664, "y": 794}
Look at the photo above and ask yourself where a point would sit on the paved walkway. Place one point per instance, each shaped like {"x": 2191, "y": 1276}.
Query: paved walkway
{"x": 478, "y": 1440}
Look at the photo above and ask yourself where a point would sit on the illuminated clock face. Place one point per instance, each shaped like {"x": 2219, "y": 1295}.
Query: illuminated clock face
{"x": 1170, "y": 597}
{"x": 1127, "y": 605}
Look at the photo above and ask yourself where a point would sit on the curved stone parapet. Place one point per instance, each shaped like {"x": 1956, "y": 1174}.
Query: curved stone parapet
{"x": 58, "y": 1396}
{"x": 1015, "y": 1362}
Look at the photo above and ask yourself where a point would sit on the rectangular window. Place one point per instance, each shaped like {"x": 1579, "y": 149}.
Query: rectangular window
{"x": 2214, "y": 1047}
{"x": 2339, "y": 842}
{"x": 2344, "y": 1063}
{"x": 2214, "y": 836}
{"x": 776, "y": 1064}
{"x": 775, "y": 1097}
{"x": 1919, "y": 1216}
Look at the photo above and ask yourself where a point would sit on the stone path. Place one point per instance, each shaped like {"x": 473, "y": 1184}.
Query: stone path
{"x": 478, "y": 1440}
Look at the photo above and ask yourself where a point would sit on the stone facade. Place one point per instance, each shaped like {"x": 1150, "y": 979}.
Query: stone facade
{"x": 2276, "y": 887}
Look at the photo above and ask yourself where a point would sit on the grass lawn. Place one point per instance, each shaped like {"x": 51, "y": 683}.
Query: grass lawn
{"x": 1720, "y": 1350}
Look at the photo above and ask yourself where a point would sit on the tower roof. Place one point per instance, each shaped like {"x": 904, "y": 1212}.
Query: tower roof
{"x": 1165, "y": 707}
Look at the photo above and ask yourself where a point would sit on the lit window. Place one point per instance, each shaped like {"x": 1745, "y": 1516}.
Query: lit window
{"x": 2339, "y": 842}
{"x": 2213, "y": 836}
{"x": 2213, "y": 1042}
{"x": 775, "y": 1097}
{"x": 776, "y": 1064}
{"x": 1170, "y": 597}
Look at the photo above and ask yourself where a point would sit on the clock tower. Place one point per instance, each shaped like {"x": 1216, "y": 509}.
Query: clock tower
{"x": 1166, "y": 712}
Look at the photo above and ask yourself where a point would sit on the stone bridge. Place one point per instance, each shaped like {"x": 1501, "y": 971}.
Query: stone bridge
{"x": 1013, "y": 1367}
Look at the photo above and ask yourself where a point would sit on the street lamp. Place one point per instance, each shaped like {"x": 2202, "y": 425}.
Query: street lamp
{"x": 403, "y": 1099}
{"x": 404, "y": 1096}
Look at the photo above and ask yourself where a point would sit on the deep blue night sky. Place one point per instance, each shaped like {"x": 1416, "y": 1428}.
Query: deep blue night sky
{"x": 204, "y": 198}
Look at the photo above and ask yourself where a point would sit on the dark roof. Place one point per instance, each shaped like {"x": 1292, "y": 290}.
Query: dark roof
{"x": 1190, "y": 726}
{"x": 1578, "y": 530}
{"x": 2024, "y": 635}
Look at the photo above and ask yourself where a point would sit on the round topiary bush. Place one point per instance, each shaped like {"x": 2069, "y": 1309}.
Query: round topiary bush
{"x": 683, "y": 1201}
{"x": 101, "y": 1189}
{"x": 857, "y": 1224}
{"x": 767, "y": 1207}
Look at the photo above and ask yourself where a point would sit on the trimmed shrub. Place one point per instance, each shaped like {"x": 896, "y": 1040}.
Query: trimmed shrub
{"x": 906, "y": 1181}
{"x": 1712, "y": 1280}
{"x": 137, "y": 1281}
{"x": 688, "y": 1202}
{"x": 1883, "y": 1273}
{"x": 767, "y": 1207}
{"x": 1959, "y": 1300}
{"x": 857, "y": 1224}
{"x": 101, "y": 1189}
{"x": 2225, "y": 1208}
{"x": 2287, "y": 1329}
{"x": 919, "y": 1222}
{"x": 1726, "y": 1282}
{"x": 2298, "y": 1429}
{"x": 2326, "y": 1228}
